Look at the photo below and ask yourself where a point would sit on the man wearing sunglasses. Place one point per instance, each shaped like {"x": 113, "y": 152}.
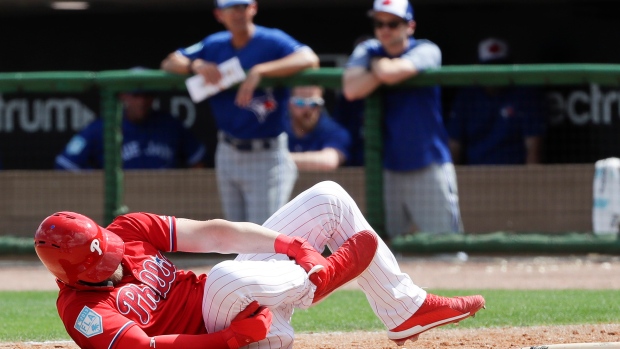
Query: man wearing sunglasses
{"x": 420, "y": 188}
{"x": 255, "y": 172}
{"x": 315, "y": 140}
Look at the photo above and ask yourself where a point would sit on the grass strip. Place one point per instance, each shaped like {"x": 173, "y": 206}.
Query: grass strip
{"x": 32, "y": 315}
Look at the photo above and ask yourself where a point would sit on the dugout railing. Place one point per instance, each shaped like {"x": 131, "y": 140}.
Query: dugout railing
{"x": 109, "y": 83}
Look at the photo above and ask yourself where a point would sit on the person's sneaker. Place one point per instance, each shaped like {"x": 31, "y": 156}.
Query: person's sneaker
{"x": 436, "y": 311}
{"x": 350, "y": 260}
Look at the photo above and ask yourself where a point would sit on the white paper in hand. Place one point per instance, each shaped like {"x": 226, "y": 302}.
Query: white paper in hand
{"x": 232, "y": 73}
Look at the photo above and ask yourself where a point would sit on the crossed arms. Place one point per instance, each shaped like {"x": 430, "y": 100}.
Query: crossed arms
{"x": 359, "y": 82}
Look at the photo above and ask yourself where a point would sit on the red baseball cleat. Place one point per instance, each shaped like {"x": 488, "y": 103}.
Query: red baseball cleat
{"x": 350, "y": 260}
{"x": 436, "y": 311}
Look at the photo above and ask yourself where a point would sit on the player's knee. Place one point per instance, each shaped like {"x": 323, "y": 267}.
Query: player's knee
{"x": 228, "y": 267}
{"x": 330, "y": 187}
{"x": 330, "y": 183}
{"x": 227, "y": 272}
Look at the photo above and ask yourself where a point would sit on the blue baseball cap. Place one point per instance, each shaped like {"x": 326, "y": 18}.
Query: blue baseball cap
{"x": 229, "y": 3}
{"x": 139, "y": 91}
{"x": 400, "y": 8}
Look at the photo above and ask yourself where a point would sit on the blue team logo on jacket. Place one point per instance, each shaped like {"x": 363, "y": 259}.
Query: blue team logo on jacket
{"x": 507, "y": 112}
{"x": 263, "y": 106}
{"x": 89, "y": 323}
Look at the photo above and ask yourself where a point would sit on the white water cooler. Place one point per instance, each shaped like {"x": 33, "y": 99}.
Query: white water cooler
{"x": 606, "y": 195}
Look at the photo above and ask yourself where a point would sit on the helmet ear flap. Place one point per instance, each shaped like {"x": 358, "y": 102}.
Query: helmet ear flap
{"x": 107, "y": 285}
{"x": 75, "y": 249}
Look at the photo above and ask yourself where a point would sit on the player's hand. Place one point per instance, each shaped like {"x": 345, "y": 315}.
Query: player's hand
{"x": 250, "y": 325}
{"x": 247, "y": 88}
{"x": 208, "y": 71}
{"x": 303, "y": 253}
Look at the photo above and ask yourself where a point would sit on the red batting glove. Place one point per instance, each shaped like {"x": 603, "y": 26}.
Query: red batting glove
{"x": 303, "y": 253}
{"x": 250, "y": 325}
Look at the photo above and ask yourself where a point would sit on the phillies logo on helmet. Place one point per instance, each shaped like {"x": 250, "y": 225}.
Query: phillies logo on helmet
{"x": 94, "y": 246}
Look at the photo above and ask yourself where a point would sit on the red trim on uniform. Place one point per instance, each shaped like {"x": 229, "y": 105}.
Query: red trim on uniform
{"x": 118, "y": 334}
{"x": 172, "y": 222}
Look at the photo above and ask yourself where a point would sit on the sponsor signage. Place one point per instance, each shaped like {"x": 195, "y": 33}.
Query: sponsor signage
{"x": 34, "y": 128}
{"x": 584, "y": 124}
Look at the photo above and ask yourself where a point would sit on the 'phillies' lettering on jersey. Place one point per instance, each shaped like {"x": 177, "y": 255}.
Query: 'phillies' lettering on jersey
{"x": 139, "y": 300}
{"x": 159, "y": 274}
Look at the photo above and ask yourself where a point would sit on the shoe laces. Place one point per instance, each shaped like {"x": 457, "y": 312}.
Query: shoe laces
{"x": 456, "y": 303}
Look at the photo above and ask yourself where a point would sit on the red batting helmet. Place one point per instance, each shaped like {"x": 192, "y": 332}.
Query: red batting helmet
{"x": 76, "y": 249}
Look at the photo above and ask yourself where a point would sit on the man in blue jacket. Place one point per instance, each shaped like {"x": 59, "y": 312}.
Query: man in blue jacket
{"x": 151, "y": 140}
{"x": 316, "y": 141}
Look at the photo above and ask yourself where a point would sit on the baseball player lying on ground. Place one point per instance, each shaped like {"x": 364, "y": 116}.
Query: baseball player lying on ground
{"x": 118, "y": 289}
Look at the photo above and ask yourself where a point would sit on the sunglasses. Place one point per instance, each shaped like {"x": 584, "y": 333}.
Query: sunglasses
{"x": 311, "y": 102}
{"x": 241, "y": 7}
{"x": 391, "y": 24}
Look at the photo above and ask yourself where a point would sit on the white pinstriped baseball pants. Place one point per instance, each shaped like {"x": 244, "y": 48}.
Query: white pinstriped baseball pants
{"x": 254, "y": 184}
{"x": 325, "y": 215}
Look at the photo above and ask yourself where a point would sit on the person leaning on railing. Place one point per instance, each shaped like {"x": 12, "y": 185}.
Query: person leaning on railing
{"x": 254, "y": 169}
{"x": 420, "y": 188}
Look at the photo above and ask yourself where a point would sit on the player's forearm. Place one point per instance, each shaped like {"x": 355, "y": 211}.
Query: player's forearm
{"x": 456, "y": 150}
{"x": 358, "y": 83}
{"x": 137, "y": 339}
{"x": 533, "y": 150}
{"x": 327, "y": 159}
{"x": 222, "y": 236}
{"x": 393, "y": 70}
{"x": 247, "y": 237}
{"x": 176, "y": 63}
{"x": 289, "y": 65}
